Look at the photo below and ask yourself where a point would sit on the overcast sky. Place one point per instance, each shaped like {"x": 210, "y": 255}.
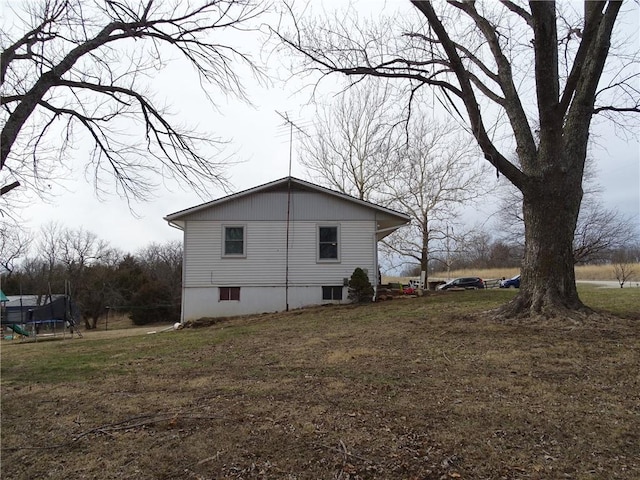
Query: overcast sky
{"x": 260, "y": 141}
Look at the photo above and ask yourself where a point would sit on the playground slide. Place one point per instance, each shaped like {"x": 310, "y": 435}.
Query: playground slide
{"x": 19, "y": 330}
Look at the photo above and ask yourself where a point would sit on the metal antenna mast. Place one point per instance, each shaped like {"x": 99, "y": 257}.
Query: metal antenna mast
{"x": 292, "y": 125}
{"x": 285, "y": 117}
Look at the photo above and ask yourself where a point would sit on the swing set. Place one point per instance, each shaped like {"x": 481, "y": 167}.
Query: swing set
{"x": 35, "y": 317}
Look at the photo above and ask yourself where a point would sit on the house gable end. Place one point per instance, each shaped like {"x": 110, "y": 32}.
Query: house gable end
{"x": 272, "y": 202}
{"x": 273, "y": 206}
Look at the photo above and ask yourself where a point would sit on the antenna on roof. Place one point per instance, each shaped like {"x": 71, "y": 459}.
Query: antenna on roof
{"x": 288, "y": 121}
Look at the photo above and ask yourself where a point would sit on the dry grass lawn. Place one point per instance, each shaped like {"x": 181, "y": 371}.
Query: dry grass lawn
{"x": 421, "y": 388}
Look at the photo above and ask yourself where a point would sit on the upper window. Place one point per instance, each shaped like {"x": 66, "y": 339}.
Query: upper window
{"x": 328, "y": 243}
{"x": 234, "y": 240}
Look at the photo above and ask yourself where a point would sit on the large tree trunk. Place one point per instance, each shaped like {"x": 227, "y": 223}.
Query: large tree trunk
{"x": 550, "y": 206}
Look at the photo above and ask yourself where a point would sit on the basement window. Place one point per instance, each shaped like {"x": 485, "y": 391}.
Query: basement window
{"x": 332, "y": 293}
{"x": 229, "y": 293}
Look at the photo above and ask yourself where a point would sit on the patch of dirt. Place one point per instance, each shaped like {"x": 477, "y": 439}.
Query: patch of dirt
{"x": 375, "y": 392}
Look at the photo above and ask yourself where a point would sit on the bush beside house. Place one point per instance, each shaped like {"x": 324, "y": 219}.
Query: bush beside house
{"x": 360, "y": 288}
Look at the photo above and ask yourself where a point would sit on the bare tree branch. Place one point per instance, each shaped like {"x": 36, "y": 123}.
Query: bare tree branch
{"x": 72, "y": 60}
{"x": 519, "y": 10}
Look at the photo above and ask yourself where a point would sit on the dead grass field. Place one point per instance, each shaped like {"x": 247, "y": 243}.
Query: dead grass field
{"x": 420, "y": 388}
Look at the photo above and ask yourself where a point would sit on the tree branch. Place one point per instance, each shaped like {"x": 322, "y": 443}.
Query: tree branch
{"x": 29, "y": 39}
{"x": 473, "y": 110}
{"x": 526, "y": 16}
{"x": 513, "y": 105}
{"x": 611, "y": 108}
{"x": 578, "y": 62}
{"x": 77, "y": 56}
{"x": 582, "y": 105}
{"x": 8, "y": 188}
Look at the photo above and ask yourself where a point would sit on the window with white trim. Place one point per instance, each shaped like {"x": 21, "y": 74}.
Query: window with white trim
{"x": 233, "y": 244}
{"x": 328, "y": 243}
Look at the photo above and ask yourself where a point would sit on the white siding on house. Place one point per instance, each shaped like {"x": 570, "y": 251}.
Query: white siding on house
{"x": 357, "y": 249}
{"x": 264, "y": 263}
{"x": 265, "y": 260}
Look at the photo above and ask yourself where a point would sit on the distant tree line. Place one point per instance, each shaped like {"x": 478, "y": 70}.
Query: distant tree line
{"x": 482, "y": 251}
{"x": 146, "y": 285}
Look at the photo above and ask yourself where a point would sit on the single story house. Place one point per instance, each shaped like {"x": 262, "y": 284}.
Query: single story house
{"x": 285, "y": 244}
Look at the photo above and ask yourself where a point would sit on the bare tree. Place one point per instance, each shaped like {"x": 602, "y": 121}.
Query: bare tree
{"x": 77, "y": 249}
{"x": 434, "y": 175}
{"x": 538, "y": 68}
{"x": 623, "y": 272}
{"x": 163, "y": 262}
{"x": 68, "y": 253}
{"x": 76, "y": 65}
{"x": 14, "y": 245}
{"x": 420, "y": 167}
{"x": 48, "y": 246}
{"x": 76, "y": 262}
{"x": 350, "y": 147}
{"x": 625, "y": 261}
{"x": 600, "y": 230}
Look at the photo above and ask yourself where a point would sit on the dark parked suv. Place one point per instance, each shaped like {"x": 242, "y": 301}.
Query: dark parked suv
{"x": 463, "y": 282}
